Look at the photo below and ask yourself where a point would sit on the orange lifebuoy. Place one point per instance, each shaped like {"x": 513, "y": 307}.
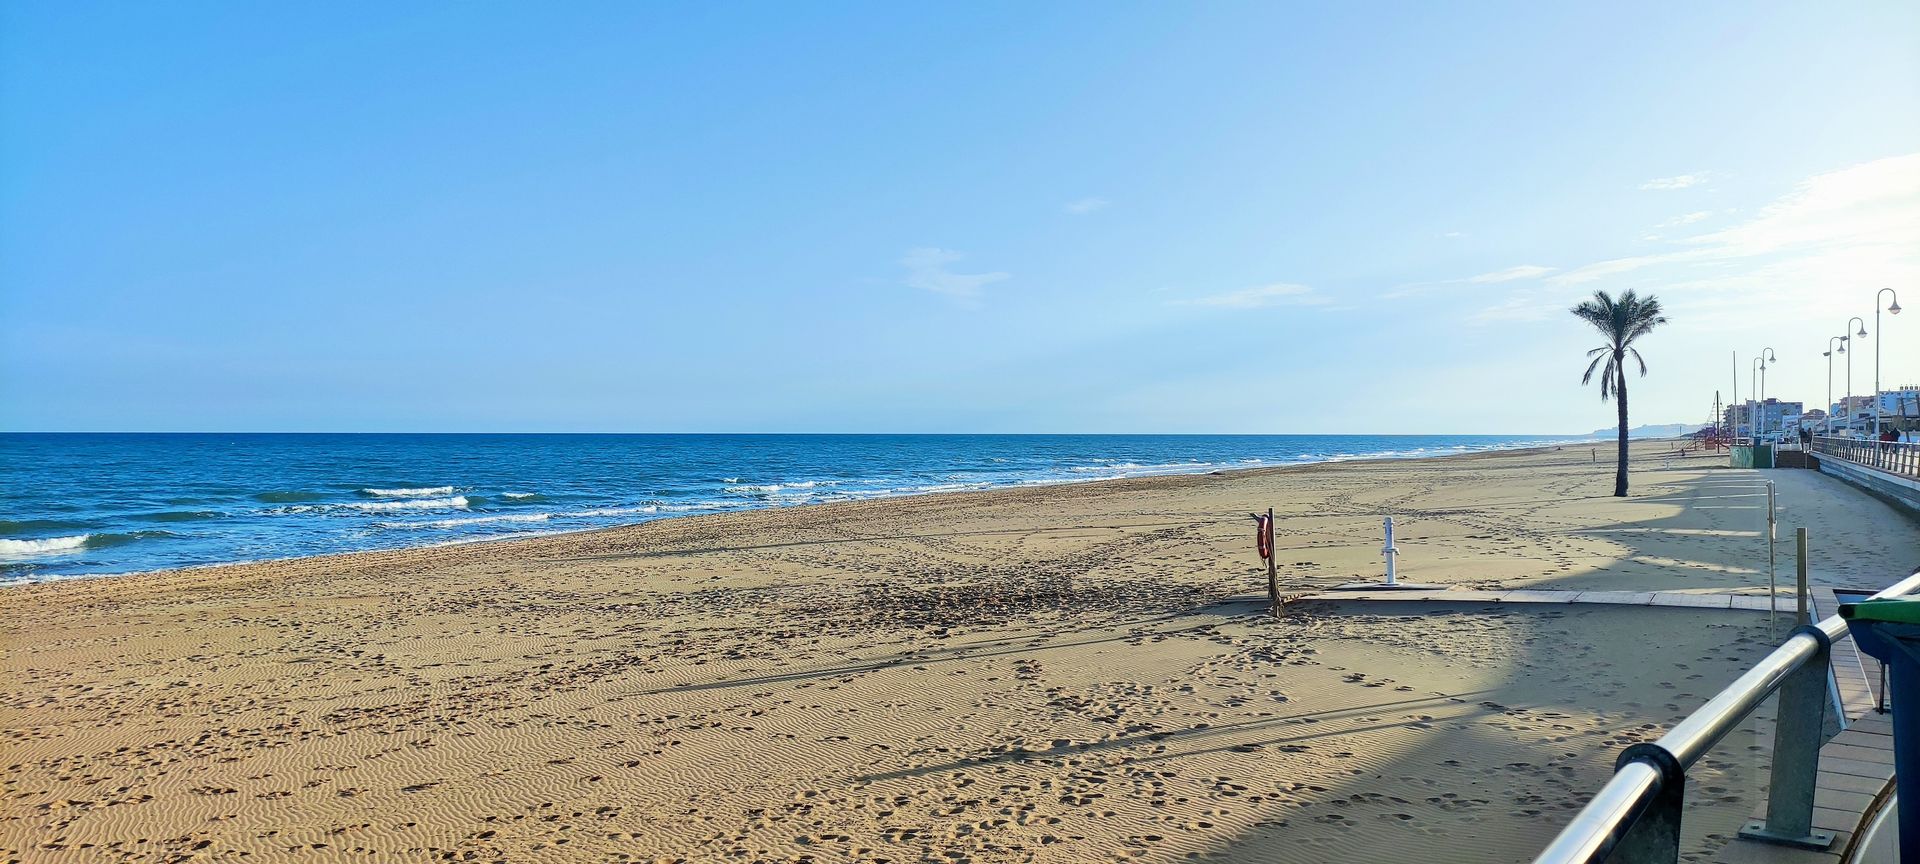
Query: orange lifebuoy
{"x": 1263, "y": 537}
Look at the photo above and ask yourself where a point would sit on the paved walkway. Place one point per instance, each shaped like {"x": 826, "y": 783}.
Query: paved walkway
{"x": 1693, "y": 599}
{"x": 1856, "y": 766}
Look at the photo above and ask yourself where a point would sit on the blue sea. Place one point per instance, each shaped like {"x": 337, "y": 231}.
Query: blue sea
{"x": 95, "y": 504}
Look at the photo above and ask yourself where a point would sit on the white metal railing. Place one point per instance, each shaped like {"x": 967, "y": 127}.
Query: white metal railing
{"x": 1635, "y": 817}
{"x": 1889, "y": 456}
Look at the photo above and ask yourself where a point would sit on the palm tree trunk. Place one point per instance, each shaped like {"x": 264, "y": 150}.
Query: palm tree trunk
{"x": 1620, "y": 396}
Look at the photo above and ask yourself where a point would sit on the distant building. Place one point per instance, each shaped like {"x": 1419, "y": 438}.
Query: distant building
{"x": 1739, "y": 418}
{"x": 1772, "y": 415}
{"x": 1853, "y": 412}
{"x": 1901, "y": 402}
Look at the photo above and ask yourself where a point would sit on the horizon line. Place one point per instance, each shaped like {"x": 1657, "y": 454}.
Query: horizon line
{"x": 742, "y": 434}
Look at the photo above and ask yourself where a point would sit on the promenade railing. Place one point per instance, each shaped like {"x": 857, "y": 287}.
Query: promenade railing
{"x": 1635, "y": 817}
{"x": 1892, "y": 457}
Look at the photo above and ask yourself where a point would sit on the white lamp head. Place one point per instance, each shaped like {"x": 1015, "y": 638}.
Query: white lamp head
{"x": 1895, "y": 308}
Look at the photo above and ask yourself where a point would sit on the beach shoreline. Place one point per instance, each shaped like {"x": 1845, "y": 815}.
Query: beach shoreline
{"x": 346, "y": 558}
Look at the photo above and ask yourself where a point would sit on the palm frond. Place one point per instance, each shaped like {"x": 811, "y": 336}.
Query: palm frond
{"x": 1621, "y": 320}
{"x": 1584, "y": 379}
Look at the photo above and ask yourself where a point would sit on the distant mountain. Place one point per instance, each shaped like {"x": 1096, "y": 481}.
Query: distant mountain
{"x": 1652, "y": 430}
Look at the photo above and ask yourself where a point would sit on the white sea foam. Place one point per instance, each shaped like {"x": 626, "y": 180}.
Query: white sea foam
{"x": 16, "y": 549}
{"x": 775, "y": 488}
{"x": 516, "y": 495}
{"x": 457, "y": 502}
{"x": 951, "y": 487}
{"x": 477, "y": 520}
{"x": 618, "y": 511}
{"x": 1135, "y": 469}
{"x": 421, "y": 492}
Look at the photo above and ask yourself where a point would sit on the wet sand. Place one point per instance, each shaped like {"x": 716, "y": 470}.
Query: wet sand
{"x": 1054, "y": 674}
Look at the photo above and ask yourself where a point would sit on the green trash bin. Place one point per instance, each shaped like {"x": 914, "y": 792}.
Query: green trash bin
{"x": 1889, "y": 629}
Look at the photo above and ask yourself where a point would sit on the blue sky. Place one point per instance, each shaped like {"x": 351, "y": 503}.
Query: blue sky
{"x": 914, "y": 217}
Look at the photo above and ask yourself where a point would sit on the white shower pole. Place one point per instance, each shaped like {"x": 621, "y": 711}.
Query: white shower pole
{"x": 1390, "y": 552}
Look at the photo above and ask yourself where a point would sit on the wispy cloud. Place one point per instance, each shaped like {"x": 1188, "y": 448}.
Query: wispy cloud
{"x": 1678, "y": 181}
{"x": 1602, "y": 269}
{"x": 1278, "y": 294}
{"x": 1866, "y": 211}
{"x": 1685, "y": 219}
{"x": 1850, "y": 227}
{"x": 1532, "y": 304}
{"x": 1084, "y": 206}
{"x": 1511, "y": 274}
{"x": 928, "y": 269}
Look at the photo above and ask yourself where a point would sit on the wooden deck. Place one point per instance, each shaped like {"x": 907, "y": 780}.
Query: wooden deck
{"x": 1856, "y": 767}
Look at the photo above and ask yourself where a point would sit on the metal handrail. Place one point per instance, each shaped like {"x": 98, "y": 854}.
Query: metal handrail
{"x": 1637, "y": 812}
{"x": 1894, "y": 457}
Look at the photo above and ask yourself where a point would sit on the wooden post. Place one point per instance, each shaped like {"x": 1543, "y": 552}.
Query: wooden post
{"x": 1273, "y": 578}
{"x": 1802, "y": 617}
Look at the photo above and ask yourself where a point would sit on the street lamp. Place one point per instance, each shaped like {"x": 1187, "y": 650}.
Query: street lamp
{"x": 1766, "y": 356}
{"x": 1849, "y": 400}
{"x": 1829, "y": 356}
{"x": 1895, "y": 309}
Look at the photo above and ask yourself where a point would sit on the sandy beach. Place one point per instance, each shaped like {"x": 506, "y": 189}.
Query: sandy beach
{"x": 1064, "y": 673}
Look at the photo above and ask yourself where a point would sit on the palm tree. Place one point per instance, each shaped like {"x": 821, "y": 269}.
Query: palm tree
{"x": 1622, "y": 321}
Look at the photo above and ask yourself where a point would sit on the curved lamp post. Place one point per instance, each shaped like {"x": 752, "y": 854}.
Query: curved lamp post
{"x": 1829, "y": 356}
{"x": 1862, "y": 334}
{"x": 1895, "y": 309}
{"x": 1760, "y": 406}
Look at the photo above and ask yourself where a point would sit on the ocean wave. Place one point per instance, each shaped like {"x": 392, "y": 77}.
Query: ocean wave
{"x": 755, "y": 489}
{"x": 179, "y": 516}
{"x": 416, "y": 492}
{"x": 950, "y": 487}
{"x": 472, "y": 520}
{"x": 523, "y": 497}
{"x": 457, "y": 502}
{"x": 617, "y": 511}
{"x": 46, "y": 546}
{"x": 29, "y": 526}
{"x": 1130, "y": 469}
{"x": 289, "y": 497}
